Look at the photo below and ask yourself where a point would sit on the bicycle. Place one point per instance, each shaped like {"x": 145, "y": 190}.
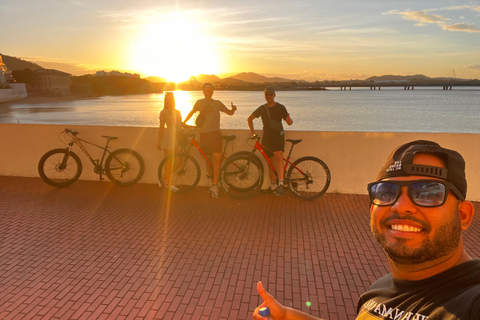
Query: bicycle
{"x": 183, "y": 171}
{"x": 308, "y": 177}
{"x": 62, "y": 167}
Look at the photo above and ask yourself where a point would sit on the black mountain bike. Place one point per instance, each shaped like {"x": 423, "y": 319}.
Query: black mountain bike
{"x": 62, "y": 167}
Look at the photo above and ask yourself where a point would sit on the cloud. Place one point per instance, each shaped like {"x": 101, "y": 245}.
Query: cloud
{"x": 420, "y": 16}
{"x": 423, "y": 19}
{"x": 476, "y": 9}
{"x": 463, "y": 27}
{"x": 473, "y": 67}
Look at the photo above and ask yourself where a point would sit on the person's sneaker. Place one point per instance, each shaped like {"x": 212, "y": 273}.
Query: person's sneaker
{"x": 279, "y": 190}
{"x": 174, "y": 188}
{"x": 210, "y": 189}
{"x": 214, "y": 190}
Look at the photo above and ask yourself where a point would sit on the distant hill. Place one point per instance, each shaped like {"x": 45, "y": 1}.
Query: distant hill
{"x": 13, "y": 63}
{"x": 257, "y": 78}
{"x": 204, "y": 78}
{"x": 391, "y": 77}
{"x": 153, "y": 79}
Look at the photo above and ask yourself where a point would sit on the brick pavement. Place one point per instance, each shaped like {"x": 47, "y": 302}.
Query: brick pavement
{"x": 98, "y": 251}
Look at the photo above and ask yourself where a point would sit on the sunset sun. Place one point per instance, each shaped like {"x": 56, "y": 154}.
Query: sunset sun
{"x": 174, "y": 49}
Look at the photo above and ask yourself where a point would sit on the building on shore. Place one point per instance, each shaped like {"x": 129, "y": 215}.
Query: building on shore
{"x": 9, "y": 90}
{"x": 5, "y": 75}
{"x": 51, "y": 82}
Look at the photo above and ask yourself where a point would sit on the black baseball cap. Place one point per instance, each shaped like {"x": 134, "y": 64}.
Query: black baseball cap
{"x": 400, "y": 163}
{"x": 269, "y": 89}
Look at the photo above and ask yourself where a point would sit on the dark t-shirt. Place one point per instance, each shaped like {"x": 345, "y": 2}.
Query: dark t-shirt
{"x": 452, "y": 294}
{"x": 277, "y": 112}
{"x": 273, "y": 140}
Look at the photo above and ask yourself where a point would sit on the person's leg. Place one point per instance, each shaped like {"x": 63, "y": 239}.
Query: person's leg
{"x": 217, "y": 160}
{"x": 278, "y": 156}
{"x": 210, "y": 170}
{"x": 217, "y": 164}
{"x": 168, "y": 168}
{"x": 206, "y": 145}
{"x": 273, "y": 177}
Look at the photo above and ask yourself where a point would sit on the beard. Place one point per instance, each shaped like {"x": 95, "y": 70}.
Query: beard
{"x": 446, "y": 240}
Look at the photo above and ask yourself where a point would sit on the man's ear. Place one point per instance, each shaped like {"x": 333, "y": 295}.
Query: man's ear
{"x": 465, "y": 211}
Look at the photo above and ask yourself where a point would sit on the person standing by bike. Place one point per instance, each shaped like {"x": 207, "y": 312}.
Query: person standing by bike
{"x": 167, "y": 137}
{"x": 210, "y": 135}
{"x": 273, "y": 139}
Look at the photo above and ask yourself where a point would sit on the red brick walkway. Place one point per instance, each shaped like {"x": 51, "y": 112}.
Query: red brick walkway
{"x": 98, "y": 251}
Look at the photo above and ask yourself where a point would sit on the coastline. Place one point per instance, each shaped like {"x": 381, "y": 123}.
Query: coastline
{"x": 38, "y": 100}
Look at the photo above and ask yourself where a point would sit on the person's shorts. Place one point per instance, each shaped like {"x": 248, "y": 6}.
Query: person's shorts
{"x": 211, "y": 142}
{"x": 273, "y": 143}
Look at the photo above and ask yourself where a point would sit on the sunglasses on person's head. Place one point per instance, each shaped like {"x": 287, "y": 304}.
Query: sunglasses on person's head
{"x": 423, "y": 193}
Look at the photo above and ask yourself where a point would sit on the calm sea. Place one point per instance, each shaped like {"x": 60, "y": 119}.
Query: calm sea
{"x": 387, "y": 110}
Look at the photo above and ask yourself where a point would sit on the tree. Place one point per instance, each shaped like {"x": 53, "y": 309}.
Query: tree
{"x": 24, "y": 76}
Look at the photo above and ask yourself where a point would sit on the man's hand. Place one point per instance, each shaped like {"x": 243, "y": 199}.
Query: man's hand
{"x": 277, "y": 311}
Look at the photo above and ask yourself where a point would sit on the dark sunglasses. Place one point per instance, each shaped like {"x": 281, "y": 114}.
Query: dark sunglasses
{"x": 423, "y": 193}
{"x": 269, "y": 94}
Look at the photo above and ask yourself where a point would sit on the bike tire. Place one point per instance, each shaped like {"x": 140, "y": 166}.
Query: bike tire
{"x": 241, "y": 177}
{"x": 185, "y": 172}
{"x": 124, "y": 167}
{"x": 255, "y": 159}
{"x": 313, "y": 182}
{"x": 49, "y": 168}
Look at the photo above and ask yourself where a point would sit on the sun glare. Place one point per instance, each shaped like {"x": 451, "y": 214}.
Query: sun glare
{"x": 174, "y": 49}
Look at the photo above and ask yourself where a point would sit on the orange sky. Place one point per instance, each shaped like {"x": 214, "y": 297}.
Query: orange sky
{"x": 310, "y": 40}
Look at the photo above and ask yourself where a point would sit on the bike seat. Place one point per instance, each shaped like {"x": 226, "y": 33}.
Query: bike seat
{"x": 110, "y": 138}
{"x": 229, "y": 138}
{"x": 294, "y": 142}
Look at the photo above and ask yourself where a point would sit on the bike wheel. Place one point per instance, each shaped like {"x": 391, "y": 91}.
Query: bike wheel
{"x": 241, "y": 177}
{"x": 257, "y": 161}
{"x": 179, "y": 172}
{"x": 308, "y": 178}
{"x": 124, "y": 167}
{"x": 54, "y": 172}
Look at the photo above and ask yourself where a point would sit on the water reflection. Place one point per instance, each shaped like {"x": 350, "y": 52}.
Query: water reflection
{"x": 385, "y": 111}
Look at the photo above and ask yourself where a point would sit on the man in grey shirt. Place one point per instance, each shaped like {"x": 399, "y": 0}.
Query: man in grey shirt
{"x": 210, "y": 135}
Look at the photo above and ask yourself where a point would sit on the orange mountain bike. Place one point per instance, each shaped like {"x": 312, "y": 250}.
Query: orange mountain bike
{"x": 180, "y": 172}
{"x": 308, "y": 177}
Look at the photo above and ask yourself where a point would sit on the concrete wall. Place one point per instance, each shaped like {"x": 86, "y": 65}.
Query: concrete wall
{"x": 354, "y": 158}
{"x": 17, "y": 91}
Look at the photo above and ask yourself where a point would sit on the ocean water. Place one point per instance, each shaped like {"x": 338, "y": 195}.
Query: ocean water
{"x": 386, "y": 110}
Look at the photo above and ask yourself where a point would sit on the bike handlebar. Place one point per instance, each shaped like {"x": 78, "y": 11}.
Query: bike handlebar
{"x": 255, "y": 137}
{"x": 71, "y": 131}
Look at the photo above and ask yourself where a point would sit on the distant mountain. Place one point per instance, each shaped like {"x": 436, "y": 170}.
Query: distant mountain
{"x": 13, "y": 63}
{"x": 204, "y": 78}
{"x": 256, "y": 78}
{"x": 391, "y": 77}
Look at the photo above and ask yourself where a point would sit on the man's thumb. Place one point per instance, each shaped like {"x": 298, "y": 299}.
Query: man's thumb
{"x": 262, "y": 292}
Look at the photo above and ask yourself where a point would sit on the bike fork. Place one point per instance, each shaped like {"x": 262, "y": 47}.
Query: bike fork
{"x": 63, "y": 165}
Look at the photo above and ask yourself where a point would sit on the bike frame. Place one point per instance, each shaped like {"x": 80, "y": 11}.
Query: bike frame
{"x": 195, "y": 143}
{"x": 258, "y": 146}
{"x": 78, "y": 141}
